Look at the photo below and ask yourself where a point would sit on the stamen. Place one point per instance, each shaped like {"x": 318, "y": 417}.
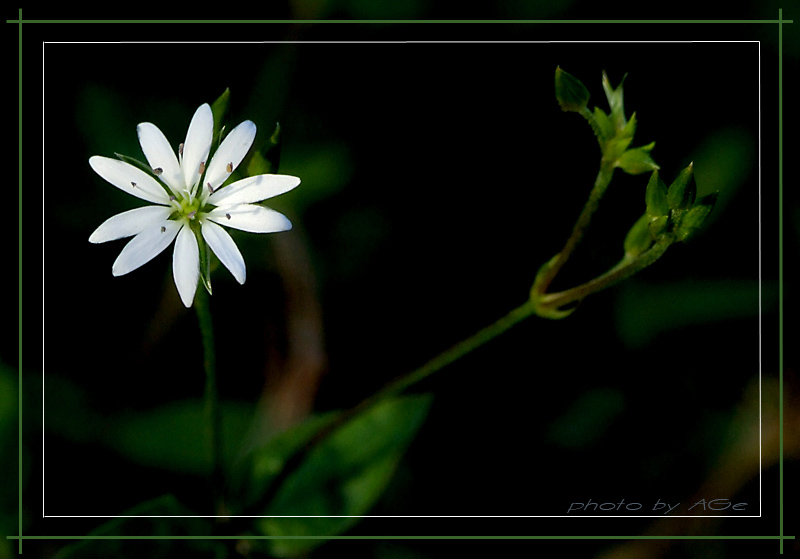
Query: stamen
{"x": 229, "y": 168}
{"x": 202, "y": 167}
{"x": 133, "y": 184}
{"x": 163, "y": 229}
{"x": 228, "y": 216}
{"x": 192, "y": 214}
{"x": 172, "y": 198}
{"x": 157, "y": 171}
{"x": 210, "y": 189}
{"x": 180, "y": 150}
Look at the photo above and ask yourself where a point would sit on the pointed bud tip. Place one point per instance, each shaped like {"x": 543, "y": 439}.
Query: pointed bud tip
{"x": 571, "y": 94}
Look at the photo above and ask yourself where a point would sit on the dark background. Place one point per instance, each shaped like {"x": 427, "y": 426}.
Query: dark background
{"x": 437, "y": 178}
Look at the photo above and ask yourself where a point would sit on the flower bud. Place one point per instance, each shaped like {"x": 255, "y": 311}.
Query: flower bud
{"x": 655, "y": 197}
{"x": 615, "y": 102}
{"x": 571, "y": 94}
{"x": 682, "y": 191}
{"x": 638, "y": 238}
{"x": 693, "y": 218}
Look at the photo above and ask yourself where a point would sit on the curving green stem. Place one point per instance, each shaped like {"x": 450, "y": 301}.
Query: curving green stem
{"x": 598, "y": 190}
{"x": 395, "y": 388}
{"x": 211, "y": 396}
{"x": 550, "y": 303}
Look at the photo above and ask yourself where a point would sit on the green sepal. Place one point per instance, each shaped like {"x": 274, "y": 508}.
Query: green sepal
{"x": 637, "y": 160}
{"x": 205, "y": 262}
{"x": 615, "y": 102}
{"x": 616, "y": 147}
{"x": 682, "y": 191}
{"x": 540, "y": 273}
{"x": 553, "y": 314}
{"x": 266, "y": 159}
{"x": 638, "y": 238}
{"x": 144, "y": 167}
{"x": 693, "y": 218}
{"x": 604, "y": 124}
{"x": 136, "y": 163}
{"x": 536, "y": 296}
{"x": 658, "y": 226}
{"x": 571, "y": 94}
{"x": 219, "y": 109}
{"x": 655, "y": 197}
{"x": 630, "y": 128}
{"x": 272, "y": 151}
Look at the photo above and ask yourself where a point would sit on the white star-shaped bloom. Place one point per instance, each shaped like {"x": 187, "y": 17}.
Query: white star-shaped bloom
{"x": 189, "y": 200}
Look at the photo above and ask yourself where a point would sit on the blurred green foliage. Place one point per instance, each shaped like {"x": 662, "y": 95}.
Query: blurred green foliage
{"x": 8, "y": 459}
{"x": 343, "y": 476}
{"x": 164, "y": 516}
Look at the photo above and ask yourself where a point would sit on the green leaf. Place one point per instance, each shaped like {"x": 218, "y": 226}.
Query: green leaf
{"x": 644, "y": 310}
{"x": 587, "y": 419}
{"x": 638, "y": 238}
{"x": 693, "y": 218}
{"x": 571, "y": 94}
{"x": 682, "y": 191}
{"x": 637, "y": 160}
{"x": 344, "y": 475}
{"x": 655, "y": 197}
{"x": 264, "y": 463}
{"x": 174, "y": 436}
{"x": 219, "y": 109}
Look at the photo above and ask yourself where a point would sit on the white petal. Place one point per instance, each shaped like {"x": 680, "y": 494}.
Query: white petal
{"x": 160, "y": 154}
{"x": 231, "y": 152}
{"x": 252, "y": 218}
{"x": 253, "y": 189}
{"x": 129, "y": 178}
{"x": 130, "y": 223}
{"x": 186, "y": 265}
{"x": 145, "y": 246}
{"x": 226, "y": 250}
{"x": 197, "y": 144}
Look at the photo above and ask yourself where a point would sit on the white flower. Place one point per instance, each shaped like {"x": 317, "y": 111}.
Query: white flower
{"x": 190, "y": 201}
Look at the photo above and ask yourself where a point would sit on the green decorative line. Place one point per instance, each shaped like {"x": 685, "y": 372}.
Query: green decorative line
{"x": 19, "y": 286}
{"x": 251, "y": 537}
{"x": 403, "y": 21}
{"x": 780, "y": 276}
{"x": 458, "y": 350}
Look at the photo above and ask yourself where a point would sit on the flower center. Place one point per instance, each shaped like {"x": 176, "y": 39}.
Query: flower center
{"x": 187, "y": 206}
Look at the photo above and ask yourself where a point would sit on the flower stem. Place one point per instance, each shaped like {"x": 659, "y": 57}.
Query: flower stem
{"x": 601, "y": 183}
{"x": 547, "y": 302}
{"x": 439, "y": 362}
{"x": 457, "y": 351}
{"x": 211, "y": 395}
